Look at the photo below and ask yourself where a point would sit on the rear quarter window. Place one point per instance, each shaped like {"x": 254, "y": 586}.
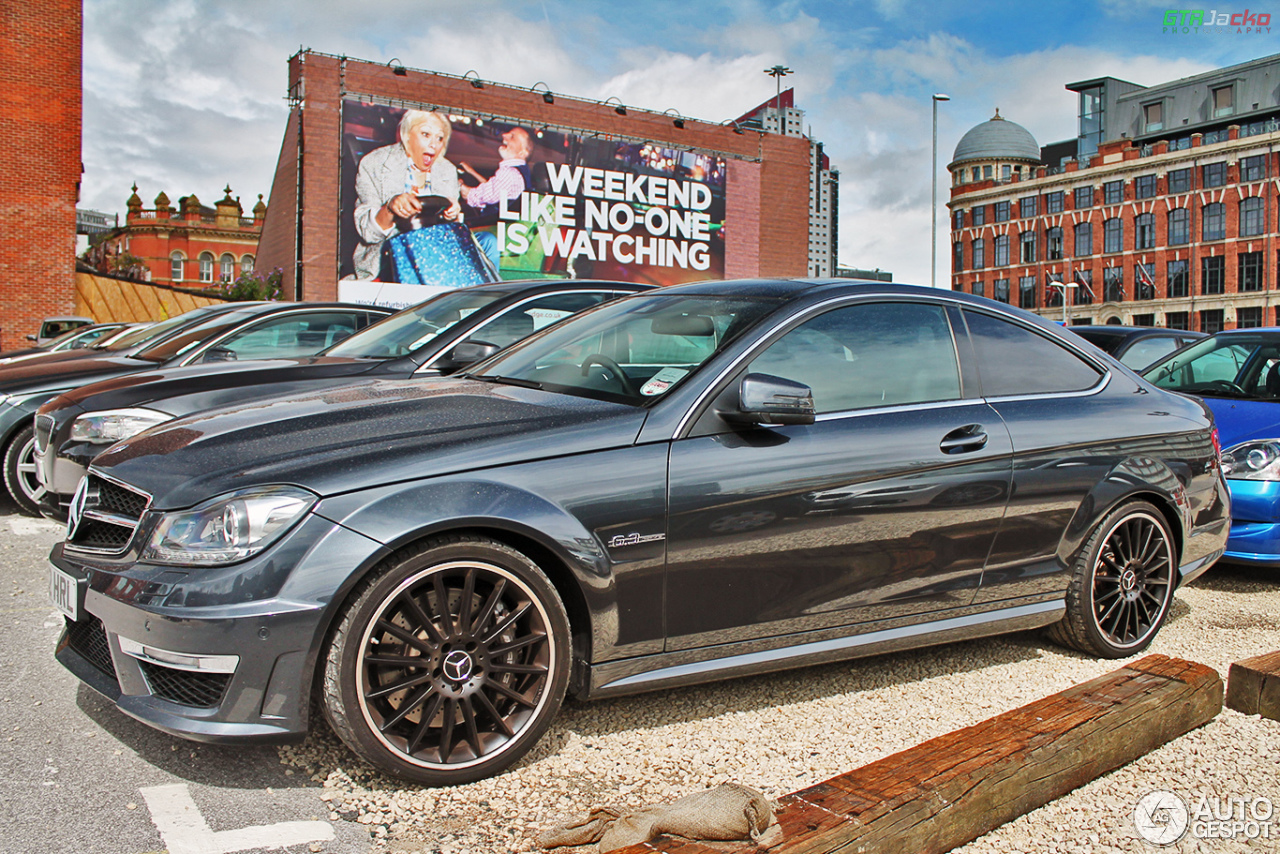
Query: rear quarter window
{"x": 1016, "y": 360}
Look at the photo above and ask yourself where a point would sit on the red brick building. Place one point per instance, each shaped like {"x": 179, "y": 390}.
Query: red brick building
{"x": 191, "y": 245}
{"x": 767, "y": 217}
{"x": 40, "y": 116}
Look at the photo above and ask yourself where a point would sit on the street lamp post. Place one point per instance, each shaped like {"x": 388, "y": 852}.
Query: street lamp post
{"x": 1063, "y": 288}
{"x": 933, "y": 208}
{"x": 777, "y": 72}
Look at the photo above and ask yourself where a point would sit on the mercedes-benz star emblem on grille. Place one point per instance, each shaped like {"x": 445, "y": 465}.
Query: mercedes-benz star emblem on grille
{"x": 457, "y": 666}
{"x": 76, "y": 512}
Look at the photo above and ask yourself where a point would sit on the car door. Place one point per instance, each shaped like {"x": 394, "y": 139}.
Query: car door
{"x": 883, "y": 509}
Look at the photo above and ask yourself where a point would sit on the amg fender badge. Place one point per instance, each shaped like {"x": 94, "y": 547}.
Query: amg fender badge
{"x": 633, "y": 539}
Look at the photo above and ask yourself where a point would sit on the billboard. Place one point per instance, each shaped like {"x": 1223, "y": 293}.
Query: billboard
{"x": 442, "y": 198}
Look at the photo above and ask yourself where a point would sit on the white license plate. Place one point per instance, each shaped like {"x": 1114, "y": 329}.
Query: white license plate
{"x": 64, "y": 590}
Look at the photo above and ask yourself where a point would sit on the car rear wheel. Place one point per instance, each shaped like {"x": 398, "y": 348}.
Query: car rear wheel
{"x": 20, "y": 471}
{"x": 450, "y": 664}
{"x": 1122, "y": 584}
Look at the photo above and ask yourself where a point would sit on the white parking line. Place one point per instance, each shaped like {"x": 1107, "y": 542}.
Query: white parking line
{"x": 185, "y": 831}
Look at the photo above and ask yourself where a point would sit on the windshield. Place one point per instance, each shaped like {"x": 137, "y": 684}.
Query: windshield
{"x": 414, "y": 328}
{"x": 633, "y": 350}
{"x": 149, "y": 333}
{"x": 185, "y": 339}
{"x": 1237, "y": 366}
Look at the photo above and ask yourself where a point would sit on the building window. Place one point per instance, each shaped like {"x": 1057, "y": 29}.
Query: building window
{"x": 1213, "y": 275}
{"x": 1248, "y": 317}
{"x": 979, "y": 215}
{"x": 1084, "y": 197}
{"x": 227, "y": 268}
{"x": 986, "y": 173}
{"x": 1249, "y": 271}
{"x": 1253, "y": 217}
{"x": 1213, "y": 174}
{"x": 1253, "y": 168}
{"x": 1144, "y": 187}
{"x": 1000, "y": 290}
{"x": 1027, "y": 206}
{"x": 1179, "y": 226}
{"x": 977, "y": 173}
{"x": 176, "y": 264}
{"x": 1176, "y": 320}
{"x": 1006, "y": 172}
{"x": 1144, "y": 231}
{"x": 1027, "y": 292}
{"x": 1213, "y": 221}
{"x": 1144, "y": 281}
{"x": 1224, "y": 101}
{"x": 1212, "y": 320}
{"x": 1113, "y": 284}
{"x": 246, "y": 265}
{"x": 1053, "y": 202}
{"x": 1179, "y": 180}
{"x": 1113, "y": 192}
{"x": 979, "y": 289}
{"x": 1113, "y": 235}
{"x": 1053, "y": 244}
{"x": 957, "y": 219}
{"x": 1153, "y": 117}
{"x": 1001, "y": 249}
{"x": 1001, "y": 211}
{"x": 1144, "y": 320}
{"x": 1176, "y": 274}
{"x": 1028, "y": 239}
{"x": 1084, "y": 239}
{"x": 979, "y": 254}
{"x": 206, "y": 267}
{"x": 1084, "y": 287}
{"x": 957, "y": 256}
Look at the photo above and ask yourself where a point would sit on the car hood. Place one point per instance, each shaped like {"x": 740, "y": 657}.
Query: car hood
{"x": 361, "y": 435}
{"x": 49, "y": 372}
{"x": 182, "y": 391}
{"x": 1241, "y": 420}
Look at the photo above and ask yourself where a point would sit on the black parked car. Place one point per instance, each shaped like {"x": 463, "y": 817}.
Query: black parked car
{"x": 438, "y": 561}
{"x": 210, "y": 334}
{"x": 75, "y": 427}
{"x": 1136, "y": 346}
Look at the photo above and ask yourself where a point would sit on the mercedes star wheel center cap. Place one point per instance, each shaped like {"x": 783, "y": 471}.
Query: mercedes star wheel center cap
{"x": 457, "y": 666}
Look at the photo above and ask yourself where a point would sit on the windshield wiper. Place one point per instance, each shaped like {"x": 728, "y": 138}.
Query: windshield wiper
{"x": 495, "y": 378}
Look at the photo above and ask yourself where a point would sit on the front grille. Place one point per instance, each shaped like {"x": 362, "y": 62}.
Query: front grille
{"x": 89, "y": 638}
{"x": 44, "y": 429}
{"x": 185, "y": 687}
{"x": 104, "y": 515}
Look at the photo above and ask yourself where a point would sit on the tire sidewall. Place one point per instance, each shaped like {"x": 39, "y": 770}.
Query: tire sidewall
{"x": 12, "y": 477}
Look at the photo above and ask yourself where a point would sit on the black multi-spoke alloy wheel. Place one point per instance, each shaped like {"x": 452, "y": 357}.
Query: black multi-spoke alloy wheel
{"x": 450, "y": 664}
{"x": 20, "y": 471}
{"x": 1122, "y": 584}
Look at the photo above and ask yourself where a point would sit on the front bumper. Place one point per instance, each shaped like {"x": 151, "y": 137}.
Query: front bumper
{"x": 1255, "y": 523}
{"x": 276, "y": 639}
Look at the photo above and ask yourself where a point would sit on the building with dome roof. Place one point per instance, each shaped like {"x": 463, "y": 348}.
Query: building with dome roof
{"x": 1163, "y": 211}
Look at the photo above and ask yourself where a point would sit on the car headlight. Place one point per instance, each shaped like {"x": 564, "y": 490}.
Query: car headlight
{"x": 1257, "y": 460}
{"x": 109, "y": 427}
{"x": 228, "y": 528}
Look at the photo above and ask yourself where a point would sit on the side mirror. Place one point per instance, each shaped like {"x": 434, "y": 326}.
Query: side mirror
{"x": 766, "y": 399}
{"x": 219, "y": 354}
{"x": 465, "y": 354}
{"x": 32, "y": 338}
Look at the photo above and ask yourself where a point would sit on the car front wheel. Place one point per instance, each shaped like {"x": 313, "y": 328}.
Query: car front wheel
{"x": 20, "y": 471}
{"x": 1122, "y": 584}
{"x": 450, "y": 664}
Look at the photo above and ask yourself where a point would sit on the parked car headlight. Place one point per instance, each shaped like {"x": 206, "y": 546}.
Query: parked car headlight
{"x": 1258, "y": 460}
{"x": 109, "y": 427}
{"x": 228, "y": 528}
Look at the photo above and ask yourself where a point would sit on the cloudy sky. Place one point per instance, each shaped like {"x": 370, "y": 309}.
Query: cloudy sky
{"x": 187, "y": 96}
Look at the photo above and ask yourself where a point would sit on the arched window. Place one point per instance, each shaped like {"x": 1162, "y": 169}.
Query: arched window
{"x": 206, "y": 267}
{"x": 227, "y": 267}
{"x": 246, "y": 264}
{"x": 176, "y": 266}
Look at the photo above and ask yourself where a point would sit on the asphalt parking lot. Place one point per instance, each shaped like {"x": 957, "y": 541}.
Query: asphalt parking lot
{"x": 76, "y": 775}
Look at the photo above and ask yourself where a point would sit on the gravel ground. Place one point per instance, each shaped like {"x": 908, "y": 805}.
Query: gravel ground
{"x": 783, "y": 732}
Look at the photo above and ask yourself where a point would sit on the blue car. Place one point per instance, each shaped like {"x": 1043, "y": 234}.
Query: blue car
{"x": 1237, "y": 374}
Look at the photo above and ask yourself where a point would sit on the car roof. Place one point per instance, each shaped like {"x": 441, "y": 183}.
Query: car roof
{"x": 520, "y": 286}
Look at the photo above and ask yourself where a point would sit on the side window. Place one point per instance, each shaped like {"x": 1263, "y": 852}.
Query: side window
{"x": 288, "y": 337}
{"x": 527, "y": 318}
{"x": 1147, "y": 350}
{"x": 863, "y": 356}
{"x": 1013, "y": 359}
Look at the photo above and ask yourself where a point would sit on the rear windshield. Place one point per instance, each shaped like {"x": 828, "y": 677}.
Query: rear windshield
{"x": 134, "y": 337}
{"x": 415, "y": 327}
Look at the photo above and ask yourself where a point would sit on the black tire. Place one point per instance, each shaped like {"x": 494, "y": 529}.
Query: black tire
{"x": 1122, "y": 584}
{"x": 435, "y": 699}
{"x": 20, "y": 471}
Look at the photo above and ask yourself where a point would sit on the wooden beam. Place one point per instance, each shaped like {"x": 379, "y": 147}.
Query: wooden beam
{"x": 952, "y": 789}
{"x": 1253, "y": 686}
